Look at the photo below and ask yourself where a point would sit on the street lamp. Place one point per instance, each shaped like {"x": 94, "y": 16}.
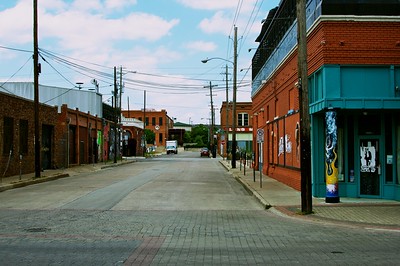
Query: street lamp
{"x": 212, "y": 58}
{"x": 234, "y": 95}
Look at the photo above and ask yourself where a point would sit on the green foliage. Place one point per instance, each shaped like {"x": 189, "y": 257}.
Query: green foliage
{"x": 187, "y": 138}
{"x": 199, "y": 140}
{"x": 200, "y": 134}
{"x": 150, "y": 136}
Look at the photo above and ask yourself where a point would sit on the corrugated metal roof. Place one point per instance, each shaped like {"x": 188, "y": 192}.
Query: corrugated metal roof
{"x": 86, "y": 101}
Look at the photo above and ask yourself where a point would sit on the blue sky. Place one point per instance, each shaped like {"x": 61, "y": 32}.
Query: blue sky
{"x": 159, "y": 44}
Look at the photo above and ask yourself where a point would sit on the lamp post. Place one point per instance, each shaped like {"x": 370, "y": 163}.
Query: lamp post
{"x": 234, "y": 95}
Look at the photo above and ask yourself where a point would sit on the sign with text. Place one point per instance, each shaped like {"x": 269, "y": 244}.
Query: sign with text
{"x": 260, "y": 135}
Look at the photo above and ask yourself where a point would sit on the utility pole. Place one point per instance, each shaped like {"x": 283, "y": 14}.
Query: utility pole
{"x": 234, "y": 99}
{"x": 226, "y": 111}
{"x": 120, "y": 94}
{"x": 36, "y": 88}
{"x": 144, "y": 123}
{"x": 212, "y": 142}
{"x": 115, "y": 114}
{"x": 305, "y": 153}
{"x": 120, "y": 111}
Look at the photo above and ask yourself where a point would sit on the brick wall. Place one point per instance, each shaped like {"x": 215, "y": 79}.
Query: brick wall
{"x": 330, "y": 42}
{"x": 160, "y": 130}
{"x": 22, "y": 109}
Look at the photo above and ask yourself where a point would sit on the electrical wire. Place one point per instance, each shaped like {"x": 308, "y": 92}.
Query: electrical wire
{"x": 15, "y": 49}
{"x": 29, "y": 59}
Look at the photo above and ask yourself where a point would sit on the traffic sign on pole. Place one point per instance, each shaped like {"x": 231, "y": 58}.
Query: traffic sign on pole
{"x": 260, "y": 135}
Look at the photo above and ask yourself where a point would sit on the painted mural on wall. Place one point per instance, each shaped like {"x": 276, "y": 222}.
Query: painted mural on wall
{"x": 285, "y": 145}
{"x": 285, "y": 141}
{"x": 332, "y": 185}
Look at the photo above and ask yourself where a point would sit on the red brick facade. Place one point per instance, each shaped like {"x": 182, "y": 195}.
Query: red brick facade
{"x": 244, "y": 126}
{"x": 329, "y": 42}
{"x": 157, "y": 121}
{"x": 17, "y": 110}
{"x": 83, "y": 137}
{"x": 70, "y": 132}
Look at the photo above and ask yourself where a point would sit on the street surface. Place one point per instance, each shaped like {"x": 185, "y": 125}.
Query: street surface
{"x": 171, "y": 210}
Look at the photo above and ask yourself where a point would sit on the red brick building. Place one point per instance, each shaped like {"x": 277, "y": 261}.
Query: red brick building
{"x": 69, "y": 137}
{"x": 353, "y": 56}
{"x": 157, "y": 121}
{"x": 83, "y": 137}
{"x": 17, "y": 131}
{"x": 244, "y": 127}
{"x": 132, "y": 137}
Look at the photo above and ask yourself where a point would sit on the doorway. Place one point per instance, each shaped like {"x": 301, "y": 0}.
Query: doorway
{"x": 46, "y": 149}
{"x": 370, "y": 169}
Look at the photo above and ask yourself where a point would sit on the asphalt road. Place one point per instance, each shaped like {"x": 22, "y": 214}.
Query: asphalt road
{"x": 170, "y": 210}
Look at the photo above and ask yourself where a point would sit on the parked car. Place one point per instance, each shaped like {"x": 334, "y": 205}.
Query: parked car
{"x": 204, "y": 152}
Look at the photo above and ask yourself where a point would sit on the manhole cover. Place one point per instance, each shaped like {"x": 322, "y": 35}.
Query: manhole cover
{"x": 37, "y": 229}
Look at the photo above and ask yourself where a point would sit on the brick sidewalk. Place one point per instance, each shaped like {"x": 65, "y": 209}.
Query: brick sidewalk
{"x": 374, "y": 213}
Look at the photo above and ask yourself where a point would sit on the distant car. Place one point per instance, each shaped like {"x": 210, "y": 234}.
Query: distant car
{"x": 204, "y": 152}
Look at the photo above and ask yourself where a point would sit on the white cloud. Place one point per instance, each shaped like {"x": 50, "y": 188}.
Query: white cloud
{"x": 219, "y": 23}
{"x": 118, "y": 4}
{"x": 246, "y": 6}
{"x": 201, "y": 46}
{"x": 209, "y": 4}
{"x": 74, "y": 27}
{"x": 16, "y": 23}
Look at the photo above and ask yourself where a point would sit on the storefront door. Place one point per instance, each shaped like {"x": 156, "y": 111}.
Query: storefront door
{"x": 370, "y": 168}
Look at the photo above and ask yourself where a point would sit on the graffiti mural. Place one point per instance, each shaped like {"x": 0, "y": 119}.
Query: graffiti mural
{"x": 332, "y": 184}
{"x": 285, "y": 145}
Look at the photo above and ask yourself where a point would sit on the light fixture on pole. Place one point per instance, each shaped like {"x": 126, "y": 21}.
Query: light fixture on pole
{"x": 234, "y": 95}
{"x": 79, "y": 85}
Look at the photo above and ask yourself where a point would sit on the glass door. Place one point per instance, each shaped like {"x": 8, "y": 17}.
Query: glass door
{"x": 370, "y": 169}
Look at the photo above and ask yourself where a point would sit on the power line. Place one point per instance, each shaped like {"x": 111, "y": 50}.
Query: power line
{"x": 29, "y": 59}
{"x": 16, "y": 49}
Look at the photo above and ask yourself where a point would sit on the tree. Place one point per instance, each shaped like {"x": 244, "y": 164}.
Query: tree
{"x": 150, "y": 136}
{"x": 200, "y": 134}
{"x": 199, "y": 140}
{"x": 187, "y": 138}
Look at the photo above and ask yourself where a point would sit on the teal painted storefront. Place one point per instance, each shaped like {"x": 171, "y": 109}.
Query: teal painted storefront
{"x": 367, "y": 102}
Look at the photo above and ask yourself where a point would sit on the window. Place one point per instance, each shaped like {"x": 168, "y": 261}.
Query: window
{"x": 160, "y": 138}
{"x": 8, "y": 135}
{"x": 153, "y": 121}
{"x": 160, "y": 121}
{"x": 147, "y": 121}
{"x": 23, "y": 136}
{"x": 243, "y": 119}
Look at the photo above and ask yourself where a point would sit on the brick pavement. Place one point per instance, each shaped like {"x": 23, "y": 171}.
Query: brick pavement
{"x": 370, "y": 213}
{"x": 362, "y": 212}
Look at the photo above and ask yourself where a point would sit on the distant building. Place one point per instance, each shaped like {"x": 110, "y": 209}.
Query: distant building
{"x": 244, "y": 127}
{"x": 157, "y": 121}
{"x": 180, "y": 125}
{"x": 132, "y": 137}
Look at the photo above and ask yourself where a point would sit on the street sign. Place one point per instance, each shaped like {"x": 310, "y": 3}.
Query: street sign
{"x": 260, "y": 135}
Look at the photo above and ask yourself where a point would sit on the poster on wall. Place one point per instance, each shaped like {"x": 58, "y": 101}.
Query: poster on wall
{"x": 368, "y": 158}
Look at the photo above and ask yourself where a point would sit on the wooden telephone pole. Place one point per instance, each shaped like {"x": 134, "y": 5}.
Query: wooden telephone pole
{"x": 36, "y": 89}
{"x": 305, "y": 144}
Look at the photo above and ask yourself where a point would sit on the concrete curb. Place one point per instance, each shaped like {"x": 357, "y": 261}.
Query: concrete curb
{"x": 247, "y": 187}
{"x": 32, "y": 181}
